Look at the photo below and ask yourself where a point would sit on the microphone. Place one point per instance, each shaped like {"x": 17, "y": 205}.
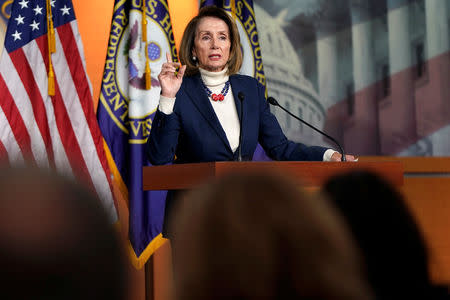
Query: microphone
{"x": 241, "y": 97}
{"x": 274, "y": 102}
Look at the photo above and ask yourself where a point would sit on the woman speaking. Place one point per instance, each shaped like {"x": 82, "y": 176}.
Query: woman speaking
{"x": 198, "y": 114}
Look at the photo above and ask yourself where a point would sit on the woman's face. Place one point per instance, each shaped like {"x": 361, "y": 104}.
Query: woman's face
{"x": 212, "y": 44}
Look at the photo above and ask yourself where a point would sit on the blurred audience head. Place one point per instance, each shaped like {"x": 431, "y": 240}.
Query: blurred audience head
{"x": 248, "y": 236}
{"x": 56, "y": 241}
{"x": 386, "y": 232}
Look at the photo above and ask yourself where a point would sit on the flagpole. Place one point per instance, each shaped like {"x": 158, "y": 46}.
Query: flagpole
{"x": 51, "y": 49}
{"x": 147, "y": 74}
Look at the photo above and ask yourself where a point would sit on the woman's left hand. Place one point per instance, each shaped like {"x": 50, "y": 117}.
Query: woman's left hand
{"x": 337, "y": 157}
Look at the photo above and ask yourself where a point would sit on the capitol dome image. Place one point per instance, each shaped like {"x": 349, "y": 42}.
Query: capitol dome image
{"x": 286, "y": 82}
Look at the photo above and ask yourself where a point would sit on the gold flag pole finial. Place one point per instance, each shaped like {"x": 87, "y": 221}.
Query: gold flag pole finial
{"x": 51, "y": 49}
{"x": 147, "y": 73}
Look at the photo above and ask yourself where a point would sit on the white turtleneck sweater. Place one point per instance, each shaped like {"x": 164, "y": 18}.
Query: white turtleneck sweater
{"x": 225, "y": 110}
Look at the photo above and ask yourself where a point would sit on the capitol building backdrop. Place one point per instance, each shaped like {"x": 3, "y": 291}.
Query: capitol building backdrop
{"x": 374, "y": 74}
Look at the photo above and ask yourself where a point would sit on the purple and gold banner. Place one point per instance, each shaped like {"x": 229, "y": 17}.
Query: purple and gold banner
{"x": 126, "y": 109}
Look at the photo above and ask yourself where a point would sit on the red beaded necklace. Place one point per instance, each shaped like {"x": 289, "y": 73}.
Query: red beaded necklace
{"x": 217, "y": 97}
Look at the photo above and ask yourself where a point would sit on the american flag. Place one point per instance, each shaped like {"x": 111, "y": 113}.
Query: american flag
{"x": 60, "y": 131}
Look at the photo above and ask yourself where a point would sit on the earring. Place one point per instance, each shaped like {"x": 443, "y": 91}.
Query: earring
{"x": 194, "y": 58}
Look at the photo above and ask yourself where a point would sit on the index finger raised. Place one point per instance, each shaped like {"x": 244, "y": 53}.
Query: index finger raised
{"x": 168, "y": 57}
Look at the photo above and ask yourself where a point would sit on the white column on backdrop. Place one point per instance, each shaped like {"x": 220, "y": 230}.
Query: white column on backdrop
{"x": 327, "y": 60}
{"x": 402, "y": 109}
{"x": 400, "y": 56}
{"x": 436, "y": 13}
{"x": 363, "y": 56}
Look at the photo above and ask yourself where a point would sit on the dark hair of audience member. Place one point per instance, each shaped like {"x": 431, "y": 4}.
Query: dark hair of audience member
{"x": 56, "y": 241}
{"x": 386, "y": 232}
{"x": 249, "y": 236}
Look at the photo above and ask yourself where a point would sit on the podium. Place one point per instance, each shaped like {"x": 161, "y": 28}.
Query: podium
{"x": 186, "y": 176}
{"x": 309, "y": 174}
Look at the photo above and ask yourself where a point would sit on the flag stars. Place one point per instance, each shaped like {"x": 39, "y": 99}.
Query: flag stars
{"x": 19, "y": 20}
{"x": 34, "y": 25}
{"x": 17, "y": 35}
{"x": 23, "y": 4}
{"x": 52, "y": 3}
{"x": 38, "y": 10}
{"x": 65, "y": 10}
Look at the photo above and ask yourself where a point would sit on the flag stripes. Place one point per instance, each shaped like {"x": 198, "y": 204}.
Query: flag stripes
{"x": 61, "y": 131}
{"x": 87, "y": 160}
{"x": 23, "y": 131}
{"x": 22, "y": 65}
{"x": 77, "y": 70}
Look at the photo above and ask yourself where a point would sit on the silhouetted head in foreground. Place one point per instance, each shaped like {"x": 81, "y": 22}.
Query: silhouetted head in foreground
{"x": 386, "y": 232}
{"x": 260, "y": 237}
{"x": 56, "y": 241}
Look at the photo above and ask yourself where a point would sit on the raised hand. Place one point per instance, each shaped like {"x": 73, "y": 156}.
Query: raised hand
{"x": 169, "y": 79}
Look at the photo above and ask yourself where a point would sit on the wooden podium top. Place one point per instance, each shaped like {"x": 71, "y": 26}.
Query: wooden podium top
{"x": 185, "y": 176}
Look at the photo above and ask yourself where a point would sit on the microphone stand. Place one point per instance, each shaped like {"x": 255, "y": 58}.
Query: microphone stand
{"x": 274, "y": 102}
{"x": 241, "y": 98}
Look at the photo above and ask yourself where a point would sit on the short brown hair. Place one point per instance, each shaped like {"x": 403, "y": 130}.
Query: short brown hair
{"x": 56, "y": 239}
{"x": 257, "y": 236}
{"x": 187, "y": 42}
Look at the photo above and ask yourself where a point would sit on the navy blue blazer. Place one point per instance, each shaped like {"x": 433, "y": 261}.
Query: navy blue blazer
{"x": 192, "y": 133}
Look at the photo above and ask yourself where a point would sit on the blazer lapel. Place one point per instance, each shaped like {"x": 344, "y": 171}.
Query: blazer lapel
{"x": 194, "y": 89}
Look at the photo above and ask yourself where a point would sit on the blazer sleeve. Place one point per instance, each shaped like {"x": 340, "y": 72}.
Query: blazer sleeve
{"x": 163, "y": 139}
{"x": 275, "y": 143}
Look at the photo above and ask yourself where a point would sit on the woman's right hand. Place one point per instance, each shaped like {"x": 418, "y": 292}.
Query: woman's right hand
{"x": 169, "y": 79}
